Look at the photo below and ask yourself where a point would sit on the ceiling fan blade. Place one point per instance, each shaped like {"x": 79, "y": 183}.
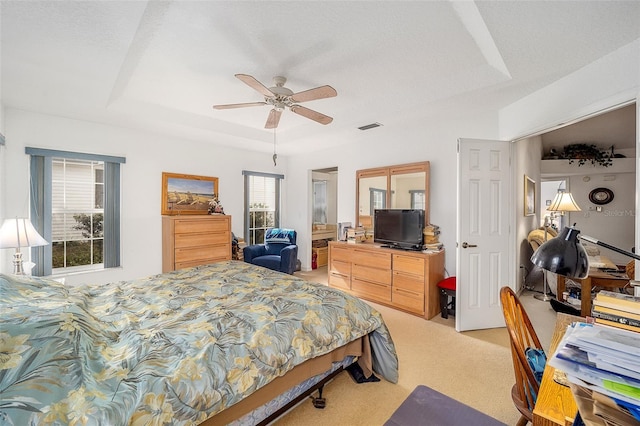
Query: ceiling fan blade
{"x": 311, "y": 114}
{"x": 313, "y": 94}
{"x": 273, "y": 119}
{"x": 231, "y": 106}
{"x": 255, "y": 84}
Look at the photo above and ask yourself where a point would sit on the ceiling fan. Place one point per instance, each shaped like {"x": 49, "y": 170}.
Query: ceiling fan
{"x": 280, "y": 97}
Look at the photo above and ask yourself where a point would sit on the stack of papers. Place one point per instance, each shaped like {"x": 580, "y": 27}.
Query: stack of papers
{"x": 602, "y": 359}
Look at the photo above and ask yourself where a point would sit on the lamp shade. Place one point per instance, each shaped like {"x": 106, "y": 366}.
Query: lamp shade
{"x": 19, "y": 232}
{"x": 563, "y": 202}
{"x": 563, "y": 255}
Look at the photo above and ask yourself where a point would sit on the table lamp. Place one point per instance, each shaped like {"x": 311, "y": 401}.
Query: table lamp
{"x": 562, "y": 202}
{"x": 17, "y": 233}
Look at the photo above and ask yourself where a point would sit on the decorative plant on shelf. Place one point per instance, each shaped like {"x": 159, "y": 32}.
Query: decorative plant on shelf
{"x": 583, "y": 153}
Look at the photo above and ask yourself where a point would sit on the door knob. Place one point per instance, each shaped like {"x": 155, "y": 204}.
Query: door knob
{"x": 465, "y": 245}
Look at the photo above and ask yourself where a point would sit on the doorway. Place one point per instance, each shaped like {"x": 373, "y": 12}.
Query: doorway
{"x": 612, "y": 218}
{"x": 324, "y": 208}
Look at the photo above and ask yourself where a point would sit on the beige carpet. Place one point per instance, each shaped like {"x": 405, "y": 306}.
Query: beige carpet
{"x": 473, "y": 367}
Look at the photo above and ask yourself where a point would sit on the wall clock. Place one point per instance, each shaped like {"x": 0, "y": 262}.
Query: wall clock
{"x": 601, "y": 196}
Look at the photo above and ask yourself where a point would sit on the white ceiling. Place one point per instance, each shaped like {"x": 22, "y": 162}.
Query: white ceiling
{"x": 160, "y": 66}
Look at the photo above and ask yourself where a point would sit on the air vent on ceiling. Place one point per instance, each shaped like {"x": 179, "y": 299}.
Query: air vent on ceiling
{"x": 370, "y": 126}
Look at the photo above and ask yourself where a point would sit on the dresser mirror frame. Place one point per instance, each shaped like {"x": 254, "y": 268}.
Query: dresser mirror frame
{"x": 411, "y": 177}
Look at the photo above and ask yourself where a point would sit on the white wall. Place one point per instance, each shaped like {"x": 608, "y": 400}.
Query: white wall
{"x": 148, "y": 155}
{"x": 427, "y": 138}
{"x": 615, "y": 220}
{"x": 3, "y": 253}
{"x": 527, "y": 155}
{"x": 611, "y": 80}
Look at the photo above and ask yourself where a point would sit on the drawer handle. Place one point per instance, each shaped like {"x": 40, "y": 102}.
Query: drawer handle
{"x": 402, "y": 290}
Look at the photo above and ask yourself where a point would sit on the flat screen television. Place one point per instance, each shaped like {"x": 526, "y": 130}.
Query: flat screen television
{"x": 399, "y": 228}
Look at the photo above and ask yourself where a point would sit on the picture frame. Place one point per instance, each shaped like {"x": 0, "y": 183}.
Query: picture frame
{"x": 187, "y": 194}
{"x": 529, "y": 196}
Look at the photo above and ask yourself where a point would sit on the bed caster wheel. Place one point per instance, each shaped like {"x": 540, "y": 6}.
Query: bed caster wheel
{"x": 319, "y": 402}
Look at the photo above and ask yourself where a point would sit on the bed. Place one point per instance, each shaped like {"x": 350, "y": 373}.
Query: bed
{"x": 205, "y": 345}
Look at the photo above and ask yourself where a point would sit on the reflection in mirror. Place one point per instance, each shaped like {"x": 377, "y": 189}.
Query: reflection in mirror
{"x": 407, "y": 191}
{"x": 373, "y": 195}
{"x": 404, "y": 186}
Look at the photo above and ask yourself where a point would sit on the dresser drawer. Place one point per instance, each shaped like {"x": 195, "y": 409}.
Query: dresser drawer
{"x": 203, "y": 252}
{"x": 340, "y": 267}
{"x": 194, "y": 226}
{"x": 189, "y": 264}
{"x": 410, "y": 264}
{"x": 339, "y": 281}
{"x": 342, "y": 254}
{"x": 408, "y": 300}
{"x": 193, "y": 240}
{"x": 408, "y": 282}
{"x": 380, "y": 260}
{"x": 371, "y": 290}
{"x": 382, "y": 276}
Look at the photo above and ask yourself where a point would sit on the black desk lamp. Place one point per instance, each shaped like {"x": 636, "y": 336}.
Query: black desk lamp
{"x": 564, "y": 255}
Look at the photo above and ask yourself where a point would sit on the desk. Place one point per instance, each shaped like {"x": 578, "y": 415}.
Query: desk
{"x": 594, "y": 279}
{"x": 555, "y": 404}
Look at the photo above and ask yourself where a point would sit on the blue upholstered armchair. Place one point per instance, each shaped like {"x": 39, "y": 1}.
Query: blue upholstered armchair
{"x": 279, "y": 251}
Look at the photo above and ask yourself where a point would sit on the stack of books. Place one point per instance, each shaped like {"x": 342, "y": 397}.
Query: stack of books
{"x": 431, "y": 238}
{"x": 356, "y": 235}
{"x": 617, "y": 310}
{"x": 603, "y": 364}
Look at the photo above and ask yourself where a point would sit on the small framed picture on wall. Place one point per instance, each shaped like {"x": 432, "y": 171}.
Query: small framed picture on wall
{"x": 529, "y": 196}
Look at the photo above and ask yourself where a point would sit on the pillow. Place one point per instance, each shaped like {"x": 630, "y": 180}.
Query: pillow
{"x": 537, "y": 360}
{"x": 19, "y": 288}
{"x": 278, "y": 235}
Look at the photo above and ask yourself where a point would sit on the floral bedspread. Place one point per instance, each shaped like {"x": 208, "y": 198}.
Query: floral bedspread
{"x": 171, "y": 349}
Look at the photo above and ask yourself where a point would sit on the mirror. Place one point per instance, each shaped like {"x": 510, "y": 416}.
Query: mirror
{"x": 408, "y": 191}
{"x": 404, "y": 186}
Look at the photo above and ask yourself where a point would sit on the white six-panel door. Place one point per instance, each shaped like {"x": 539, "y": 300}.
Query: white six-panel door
{"x": 483, "y": 232}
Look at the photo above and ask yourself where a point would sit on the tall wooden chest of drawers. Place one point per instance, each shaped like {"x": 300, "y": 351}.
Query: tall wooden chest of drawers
{"x": 195, "y": 240}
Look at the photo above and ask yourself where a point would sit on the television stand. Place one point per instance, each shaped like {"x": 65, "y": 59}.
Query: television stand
{"x": 402, "y": 279}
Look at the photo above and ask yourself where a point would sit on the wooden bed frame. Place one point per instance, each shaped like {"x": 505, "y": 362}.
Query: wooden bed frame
{"x": 359, "y": 348}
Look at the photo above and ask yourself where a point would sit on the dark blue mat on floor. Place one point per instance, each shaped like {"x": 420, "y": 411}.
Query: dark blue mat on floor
{"x": 428, "y": 407}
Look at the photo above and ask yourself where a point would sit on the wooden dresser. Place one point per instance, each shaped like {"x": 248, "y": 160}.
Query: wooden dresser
{"x": 404, "y": 280}
{"x": 195, "y": 240}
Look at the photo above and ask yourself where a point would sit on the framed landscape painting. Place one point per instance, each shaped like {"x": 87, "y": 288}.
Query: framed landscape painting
{"x": 187, "y": 194}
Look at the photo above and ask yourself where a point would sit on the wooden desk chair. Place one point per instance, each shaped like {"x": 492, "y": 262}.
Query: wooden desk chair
{"x": 522, "y": 336}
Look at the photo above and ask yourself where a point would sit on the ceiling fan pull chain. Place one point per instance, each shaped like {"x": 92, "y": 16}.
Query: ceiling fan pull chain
{"x": 275, "y": 156}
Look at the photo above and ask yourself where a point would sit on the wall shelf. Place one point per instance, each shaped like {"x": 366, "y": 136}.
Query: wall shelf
{"x": 560, "y": 168}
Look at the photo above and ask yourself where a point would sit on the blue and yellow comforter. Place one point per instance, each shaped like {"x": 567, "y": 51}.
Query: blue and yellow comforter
{"x": 171, "y": 349}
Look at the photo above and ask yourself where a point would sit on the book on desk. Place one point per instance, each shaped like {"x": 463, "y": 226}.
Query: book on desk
{"x": 617, "y": 310}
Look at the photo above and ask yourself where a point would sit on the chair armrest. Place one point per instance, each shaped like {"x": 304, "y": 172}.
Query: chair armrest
{"x": 253, "y": 251}
{"x": 288, "y": 258}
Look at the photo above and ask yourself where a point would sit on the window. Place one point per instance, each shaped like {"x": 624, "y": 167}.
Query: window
{"x": 262, "y": 204}
{"x": 377, "y": 199}
{"x": 319, "y": 201}
{"x": 417, "y": 199}
{"x": 77, "y": 214}
{"x": 75, "y": 205}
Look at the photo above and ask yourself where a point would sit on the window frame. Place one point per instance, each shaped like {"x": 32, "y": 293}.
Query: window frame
{"x": 414, "y": 193}
{"x": 247, "y": 201}
{"x": 317, "y": 203}
{"x": 41, "y": 170}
